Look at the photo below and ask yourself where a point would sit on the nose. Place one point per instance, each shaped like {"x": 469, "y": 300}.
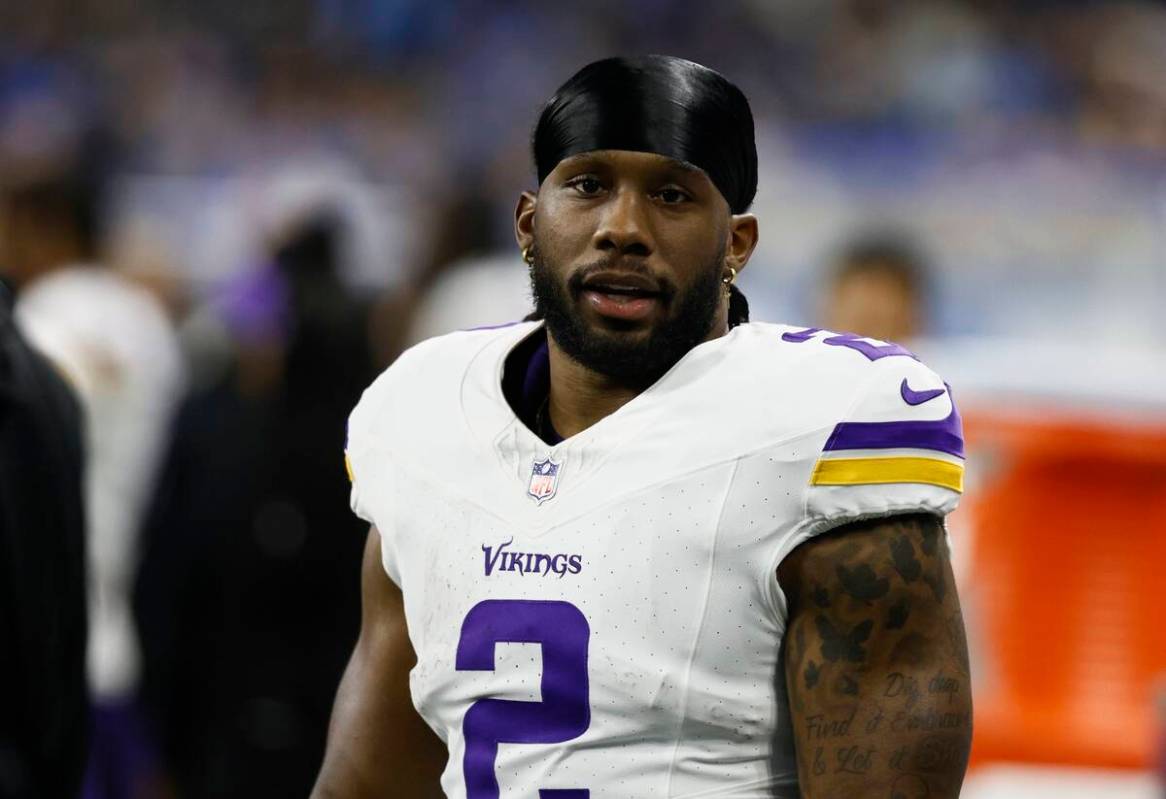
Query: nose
{"x": 624, "y": 227}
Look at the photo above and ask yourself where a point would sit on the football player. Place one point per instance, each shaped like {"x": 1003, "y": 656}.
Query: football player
{"x": 638, "y": 547}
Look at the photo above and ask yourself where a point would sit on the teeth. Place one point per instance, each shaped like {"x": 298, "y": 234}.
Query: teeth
{"x": 621, "y": 290}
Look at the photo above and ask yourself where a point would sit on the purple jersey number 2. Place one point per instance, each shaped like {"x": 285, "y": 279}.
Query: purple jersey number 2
{"x": 564, "y": 712}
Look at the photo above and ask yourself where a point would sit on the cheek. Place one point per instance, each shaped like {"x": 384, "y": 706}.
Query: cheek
{"x": 561, "y": 231}
{"x": 689, "y": 246}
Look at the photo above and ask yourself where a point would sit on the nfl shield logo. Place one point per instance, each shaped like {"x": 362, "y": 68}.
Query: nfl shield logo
{"x": 544, "y": 479}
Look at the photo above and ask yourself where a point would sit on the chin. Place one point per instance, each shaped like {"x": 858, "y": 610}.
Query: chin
{"x": 619, "y": 332}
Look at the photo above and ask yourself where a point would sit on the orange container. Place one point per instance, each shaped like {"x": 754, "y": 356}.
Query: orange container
{"x": 1065, "y": 587}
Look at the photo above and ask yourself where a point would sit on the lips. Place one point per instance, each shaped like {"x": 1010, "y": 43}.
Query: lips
{"x": 629, "y": 284}
{"x": 626, "y": 296}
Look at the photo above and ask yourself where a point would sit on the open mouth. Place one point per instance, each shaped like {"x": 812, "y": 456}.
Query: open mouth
{"x": 627, "y": 300}
{"x": 616, "y": 290}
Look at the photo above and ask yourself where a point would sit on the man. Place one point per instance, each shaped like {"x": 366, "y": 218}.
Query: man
{"x": 114, "y": 343}
{"x": 878, "y": 288}
{"x": 246, "y": 598}
{"x": 687, "y": 519}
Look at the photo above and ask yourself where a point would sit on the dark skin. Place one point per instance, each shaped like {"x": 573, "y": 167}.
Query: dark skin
{"x": 614, "y": 207}
{"x": 607, "y": 205}
{"x": 876, "y": 662}
{"x": 619, "y": 206}
{"x": 378, "y": 745}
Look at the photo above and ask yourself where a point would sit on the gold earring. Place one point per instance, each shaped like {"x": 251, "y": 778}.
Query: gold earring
{"x": 528, "y": 256}
{"x": 727, "y": 281}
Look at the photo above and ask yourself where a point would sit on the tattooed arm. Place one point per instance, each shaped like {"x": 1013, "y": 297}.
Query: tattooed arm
{"x": 876, "y": 662}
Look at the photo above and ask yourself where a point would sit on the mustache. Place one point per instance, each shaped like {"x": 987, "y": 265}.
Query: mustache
{"x": 619, "y": 263}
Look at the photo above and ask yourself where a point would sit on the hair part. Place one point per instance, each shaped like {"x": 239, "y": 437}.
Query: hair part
{"x": 654, "y": 104}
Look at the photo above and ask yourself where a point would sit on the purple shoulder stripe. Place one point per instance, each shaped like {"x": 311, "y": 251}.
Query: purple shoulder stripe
{"x": 941, "y": 435}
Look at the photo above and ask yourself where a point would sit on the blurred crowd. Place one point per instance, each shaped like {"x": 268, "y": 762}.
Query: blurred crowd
{"x": 221, "y": 219}
{"x": 1023, "y": 141}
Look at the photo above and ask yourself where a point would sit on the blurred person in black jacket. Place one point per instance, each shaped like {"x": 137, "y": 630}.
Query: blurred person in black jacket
{"x": 247, "y": 599}
{"x": 115, "y": 345}
{"x": 44, "y": 725}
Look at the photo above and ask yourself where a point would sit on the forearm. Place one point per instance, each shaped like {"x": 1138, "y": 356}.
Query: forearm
{"x": 348, "y": 771}
{"x": 378, "y": 745}
{"x": 907, "y": 734}
{"x": 877, "y": 671}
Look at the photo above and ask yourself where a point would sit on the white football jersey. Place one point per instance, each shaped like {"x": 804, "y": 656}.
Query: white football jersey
{"x": 602, "y": 617}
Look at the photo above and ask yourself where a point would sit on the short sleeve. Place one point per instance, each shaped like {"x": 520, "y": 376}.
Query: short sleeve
{"x": 359, "y": 457}
{"x": 898, "y": 449}
{"x": 369, "y": 470}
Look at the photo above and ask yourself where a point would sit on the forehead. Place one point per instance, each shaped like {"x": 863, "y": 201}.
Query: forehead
{"x": 630, "y": 161}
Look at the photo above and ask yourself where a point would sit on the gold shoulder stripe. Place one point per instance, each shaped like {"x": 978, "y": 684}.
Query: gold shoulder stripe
{"x": 870, "y": 471}
{"x": 348, "y": 467}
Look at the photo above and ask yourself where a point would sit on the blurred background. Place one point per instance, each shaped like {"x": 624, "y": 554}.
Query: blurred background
{"x": 222, "y": 219}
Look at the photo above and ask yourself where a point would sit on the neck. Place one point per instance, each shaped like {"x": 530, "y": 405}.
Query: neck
{"x": 580, "y": 396}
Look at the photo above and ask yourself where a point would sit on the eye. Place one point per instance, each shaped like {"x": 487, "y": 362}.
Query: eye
{"x": 587, "y": 185}
{"x": 671, "y": 195}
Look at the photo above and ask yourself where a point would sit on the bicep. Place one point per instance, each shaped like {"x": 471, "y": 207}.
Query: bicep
{"x": 876, "y": 659}
{"x": 377, "y": 743}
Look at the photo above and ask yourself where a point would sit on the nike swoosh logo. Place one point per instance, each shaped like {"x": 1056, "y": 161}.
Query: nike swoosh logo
{"x": 912, "y": 397}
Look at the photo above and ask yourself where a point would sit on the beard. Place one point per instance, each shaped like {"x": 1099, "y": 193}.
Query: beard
{"x": 631, "y": 359}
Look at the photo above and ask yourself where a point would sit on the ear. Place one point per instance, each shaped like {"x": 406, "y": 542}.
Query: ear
{"x": 742, "y": 237}
{"x": 524, "y": 219}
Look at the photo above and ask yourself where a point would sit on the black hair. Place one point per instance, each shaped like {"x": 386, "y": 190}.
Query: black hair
{"x": 654, "y": 104}
{"x": 73, "y": 193}
{"x": 893, "y": 254}
{"x": 738, "y": 307}
{"x": 69, "y": 201}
